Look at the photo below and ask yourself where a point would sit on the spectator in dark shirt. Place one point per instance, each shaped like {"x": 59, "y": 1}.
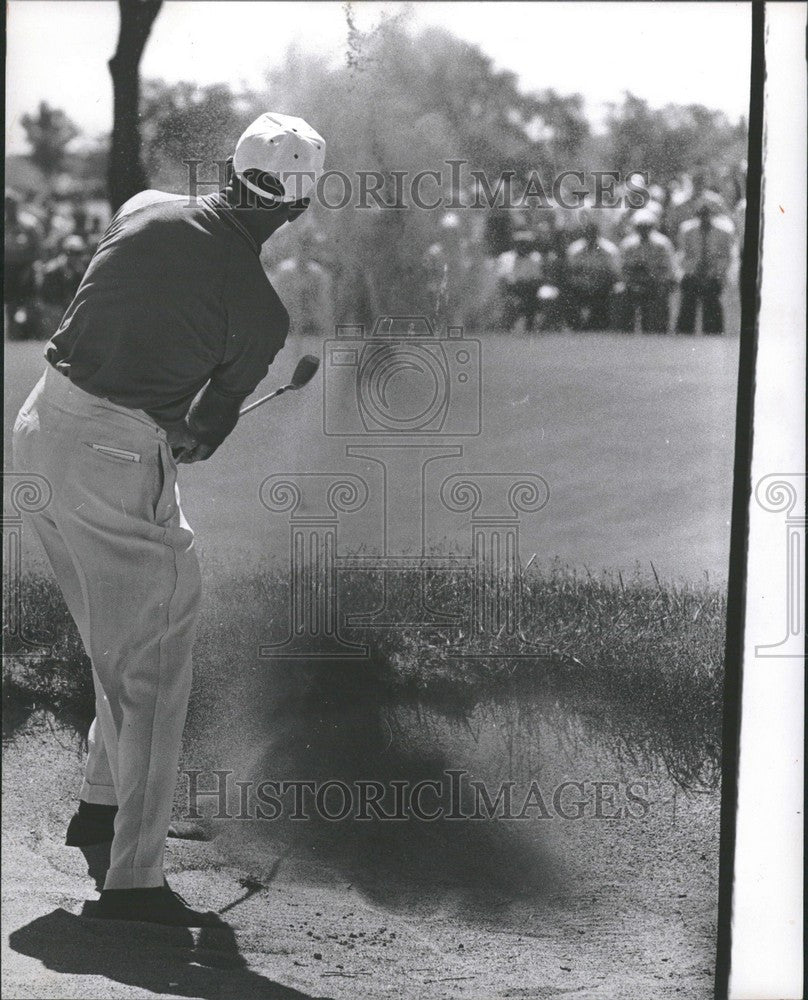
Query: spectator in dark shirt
{"x": 61, "y": 276}
{"x": 593, "y": 269}
{"x": 521, "y": 273}
{"x": 649, "y": 274}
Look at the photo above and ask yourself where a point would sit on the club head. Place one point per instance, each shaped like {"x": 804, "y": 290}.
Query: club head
{"x": 305, "y": 371}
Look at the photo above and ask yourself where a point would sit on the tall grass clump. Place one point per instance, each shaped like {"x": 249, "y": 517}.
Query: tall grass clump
{"x": 637, "y": 663}
{"x": 45, "y": 666}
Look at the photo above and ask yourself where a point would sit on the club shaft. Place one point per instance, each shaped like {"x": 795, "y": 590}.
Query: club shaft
{"x": 262, "y": 400}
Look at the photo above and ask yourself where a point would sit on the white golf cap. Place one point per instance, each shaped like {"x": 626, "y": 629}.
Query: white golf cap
{"x": 286, "y": 147}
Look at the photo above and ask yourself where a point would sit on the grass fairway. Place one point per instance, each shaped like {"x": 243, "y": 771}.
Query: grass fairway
{"x": 633, "y": 434}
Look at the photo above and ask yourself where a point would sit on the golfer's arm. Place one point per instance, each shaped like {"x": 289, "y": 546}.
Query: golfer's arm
{"x": 254, "y": 336}
{"x": 214, "y": 415}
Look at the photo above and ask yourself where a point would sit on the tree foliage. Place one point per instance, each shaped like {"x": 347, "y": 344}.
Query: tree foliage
{"x": 401, "y": 101}
{"x": 670, "y": 140}
{"x": 406, "y": 100}
{"x": 49, "y": 133}
{"x": 183, "y": 122}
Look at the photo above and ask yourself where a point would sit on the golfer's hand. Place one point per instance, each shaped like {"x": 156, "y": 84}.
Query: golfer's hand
{"x": 186, "y": 448}
{"x": 198, "y": 453}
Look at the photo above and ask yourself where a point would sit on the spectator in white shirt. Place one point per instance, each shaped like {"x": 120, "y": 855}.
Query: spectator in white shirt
{"x": 706, "y": 247}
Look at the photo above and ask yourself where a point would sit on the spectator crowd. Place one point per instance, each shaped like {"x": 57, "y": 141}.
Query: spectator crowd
{"x": 606, "y": 269}
{"x": 671, "y": 264}
{"x": 48, "y": 244}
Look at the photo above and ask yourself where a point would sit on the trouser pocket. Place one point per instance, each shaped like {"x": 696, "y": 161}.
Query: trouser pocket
{"x": 117, "y": 454}
{"x": 117, "y": 473}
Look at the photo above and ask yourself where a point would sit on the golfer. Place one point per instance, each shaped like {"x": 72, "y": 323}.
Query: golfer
{"x": 173, "y": 325}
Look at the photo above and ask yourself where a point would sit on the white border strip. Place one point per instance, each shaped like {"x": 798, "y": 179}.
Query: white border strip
{"x": 767, "y": 929}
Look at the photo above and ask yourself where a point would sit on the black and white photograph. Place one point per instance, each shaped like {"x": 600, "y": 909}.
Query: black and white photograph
{"x": 403, "y": 509}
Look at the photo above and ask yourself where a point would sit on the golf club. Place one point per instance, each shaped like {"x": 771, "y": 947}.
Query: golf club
{"x": 303, "y": 374}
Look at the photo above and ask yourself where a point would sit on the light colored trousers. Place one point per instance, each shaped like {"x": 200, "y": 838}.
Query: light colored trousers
{"x": 124, "y": 559}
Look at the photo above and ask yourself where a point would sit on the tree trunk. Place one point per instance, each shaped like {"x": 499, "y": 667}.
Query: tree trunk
{"x": 126, "y": 175}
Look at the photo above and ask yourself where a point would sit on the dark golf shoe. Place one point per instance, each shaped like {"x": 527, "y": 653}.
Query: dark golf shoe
{"x": 91, "y": 824}
{"x": 154, "y": 906}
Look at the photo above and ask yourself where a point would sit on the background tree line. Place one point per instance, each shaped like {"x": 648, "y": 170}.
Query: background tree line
{"x": 401, "y": 100}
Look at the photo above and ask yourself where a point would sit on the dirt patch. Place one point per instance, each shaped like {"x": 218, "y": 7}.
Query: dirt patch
{"x": 607, "y": 908}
